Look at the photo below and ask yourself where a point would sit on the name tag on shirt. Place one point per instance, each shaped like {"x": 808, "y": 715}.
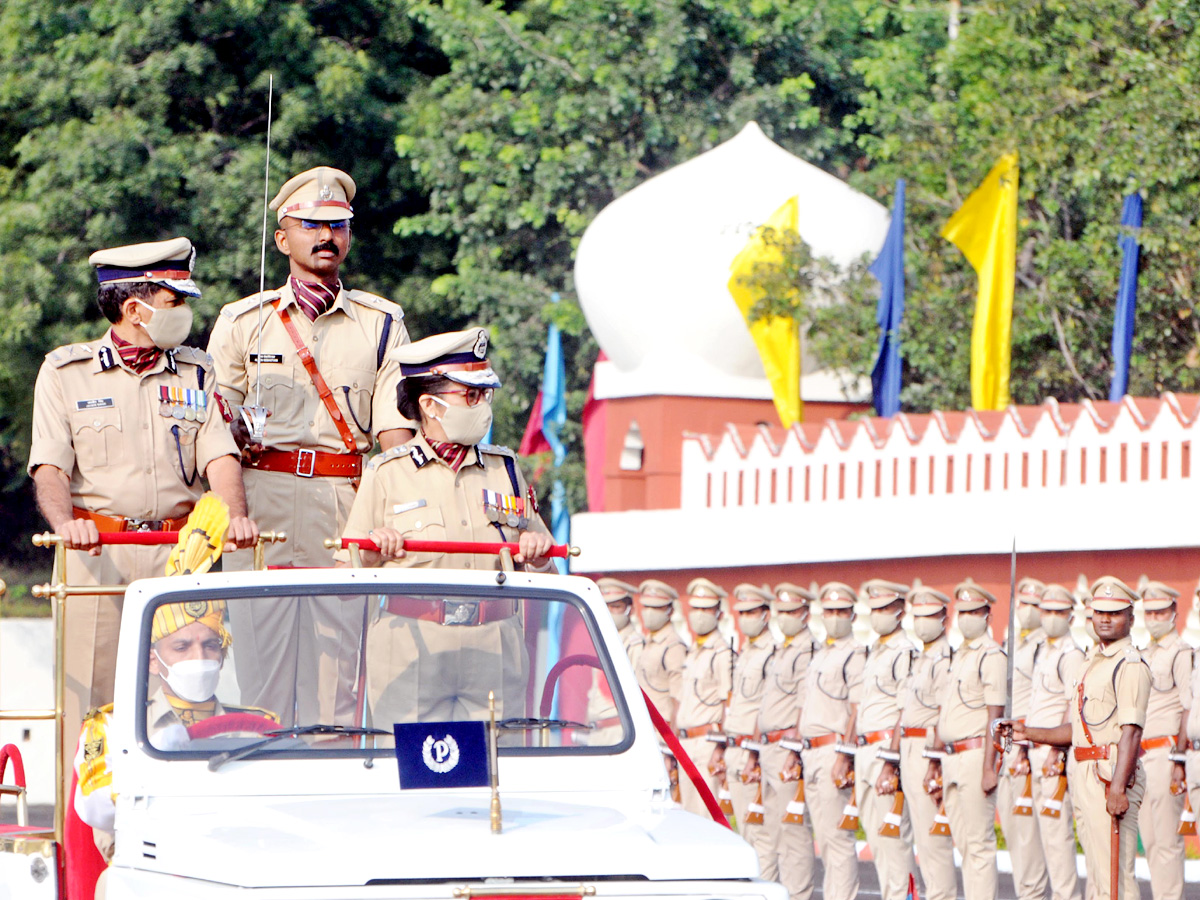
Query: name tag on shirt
{"x": 95, "y": 403}
{"x": 266, "y": 357}
{"x": 405, "y": 507}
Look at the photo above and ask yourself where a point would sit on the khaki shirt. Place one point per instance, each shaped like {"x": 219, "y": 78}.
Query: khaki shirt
{"x": 659, "y": 669}
{"x": 600, "y": 703}
{"x": 975, "y": 682}
{"x": 706, "y": 683}
{"x": 1170, "y": 662}
{"x": 1056, "y": 670}
{"x": 749, "y": 684}
{"x": 1193, "y": 700}
{"x": 834, "y": 682}
{"x": 409, "y": 488}
{"x": 927, "y": 685}
{"x": 1116, "y": 691}
{"x": 1029, "y": 647}
{"x": 885, "y": 680}
{"x": 161, "y": 714}
{"x": 348, "y": 346}
{"x": 787, "y": 671}
{"x": 104, "y": 426}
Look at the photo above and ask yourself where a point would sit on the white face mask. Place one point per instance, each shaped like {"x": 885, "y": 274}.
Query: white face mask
{"x": 620, "y": 619}
{"x": 702, "y": 622}
{"x": 1160, "y": 628}
{"x": 929, "y": 628}
{"x": 1056, "y": 626}
{"x": 752, "y": 627}
{"x": 466, "y": 425}
{"x": 837, "y": 627}
{"x": 168, "y": 327}
{"x": 194, "y": 680}
{"x": 1028, "y": 616}
{"x": 792, "y": 625}
{"x": 654, "y": 618}
{"x": 884, "y": 623}
{"x": 972, "y": 626}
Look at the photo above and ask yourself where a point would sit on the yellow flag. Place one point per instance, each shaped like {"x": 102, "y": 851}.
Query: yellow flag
{"x": 776, "y": 337}
{"x": 985, "y": 230}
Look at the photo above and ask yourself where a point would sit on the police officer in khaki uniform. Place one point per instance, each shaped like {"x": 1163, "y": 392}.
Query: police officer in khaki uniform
{"x": 974, "y": 699}
{"x": 1017, "y": 814}
{"x": 921, "y": 703}
{"x": 659, "y": 666}
{"x": 1107, "y": 709}
{"x": 1192, "y": 748}
{"x": 704, "y": 688}
{"x": 1056, "y": 670}
{"x": 1170, "y": 662}
{"x": 125, "y": 429}
{"x": 316, "y": 355}
{"x": 738, "y": 758}
{"x": 601, "y": 710}
{"x": 884, "y": 685}
{"x": 444, "y": 485}
{"x": 832, "y": 694}
{"x": 788, "y": 856}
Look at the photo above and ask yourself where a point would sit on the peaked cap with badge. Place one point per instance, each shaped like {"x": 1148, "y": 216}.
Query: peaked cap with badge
{"x": 837, "y": 595}
{"x": 1029, "y": 590}
{"x": 704, "y": 594}
{"x": 1156, "y": 596}
{"x": 167, "y": 263}
{"x": 969, "y": 596}
{"x": 322, "y": 194}
{"x": 880, "y": 592}
{"x": 613, "y": 590}
{"x": 460, "y": 356}
{"x": 748, "y": 597}
{"x": 1055, "y": 596}
{"x": 789, "y": 597}
{"x": 1111, "y": 594}
{"x": 927, "y": 601}
{"x": 657, "y": 594}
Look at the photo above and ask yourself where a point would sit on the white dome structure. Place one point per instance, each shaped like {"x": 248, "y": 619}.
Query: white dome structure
{"x": 652, "y": 269}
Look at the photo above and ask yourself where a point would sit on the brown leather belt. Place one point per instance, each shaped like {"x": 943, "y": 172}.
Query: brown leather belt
{"x": 770, "y": 737}
{"x": 964, "y": 745}
{"x": 905, "y": 731}
{"x": 308, "y": 463}
{"x": 1155, "y": 742}
{"x": 119, "y": 523}
{"x": 823, "y": 741}
{"x": 1083, "y": 754}
{"x": 874, "y": 737}
{"x": 453, "y": 612}
{"x": 700, "y": 730}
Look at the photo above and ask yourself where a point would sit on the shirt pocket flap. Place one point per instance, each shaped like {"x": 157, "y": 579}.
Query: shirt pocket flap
{"x": 96, "y": 420}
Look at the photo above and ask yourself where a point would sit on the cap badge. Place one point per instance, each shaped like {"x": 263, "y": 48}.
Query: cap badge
{"x": 326, "y": 193}
{"x": 480, "y": 348}
{"x": 195, "y": 608}
{"x": 1108, "y": 590}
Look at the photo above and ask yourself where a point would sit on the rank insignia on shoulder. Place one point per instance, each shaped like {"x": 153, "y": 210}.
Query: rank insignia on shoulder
{"x": 107, "y": 360}
{"x": 417, "y": 455}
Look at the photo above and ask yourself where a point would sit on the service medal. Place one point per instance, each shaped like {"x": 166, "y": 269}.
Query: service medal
{"x": 493, "y": 515}
{"x": 201, "y": 415}
{"x": 177, "y": 412}
{"x": 513, "y": 520}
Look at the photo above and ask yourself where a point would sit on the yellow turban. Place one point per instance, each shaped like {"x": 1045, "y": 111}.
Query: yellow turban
{"x": 170, "y": 617}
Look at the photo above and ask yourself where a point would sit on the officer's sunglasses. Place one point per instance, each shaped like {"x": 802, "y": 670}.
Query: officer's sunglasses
{"x": 474, "y": 395}
{"x": 313, "y": 225}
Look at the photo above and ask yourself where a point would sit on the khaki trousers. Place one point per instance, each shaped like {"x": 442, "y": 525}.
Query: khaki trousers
{"x": 1030, "y": 878}
{"x": 1158, "y": 823}
{"x": 91, "y": 626}
{"x": 1193, "y": 777}
{"x": 972, "y": 815}
{"x": 743, "y": 795}
{"x": 1094, "y": 823}
{"x": 1057, "y": 836}
{"x": 787, "y": 855}
{"x": 297, "y": 658}
{"x": 826, "y": 803}
{"x": 699, "y": 749}
{"x": 893, "y": 855}
{"x": 934, "y": 852}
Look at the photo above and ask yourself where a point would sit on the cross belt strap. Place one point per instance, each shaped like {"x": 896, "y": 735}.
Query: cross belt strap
{"x": 318, "y": 381}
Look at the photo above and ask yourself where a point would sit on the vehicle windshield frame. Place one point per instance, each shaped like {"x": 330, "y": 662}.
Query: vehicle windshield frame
{"x": 251, "y": 593}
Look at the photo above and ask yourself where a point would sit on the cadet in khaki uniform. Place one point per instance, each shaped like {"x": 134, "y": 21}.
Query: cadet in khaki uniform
{"x": 738, "y": 758}
{"x": 659, "y": 666}
{"x": 1056, "y": 670}
{"x": 301, "y": 479}
{"x": 832, "y": 694}
{"x": 921, "y": 703}
{"x": 1192, "y": 755}
{"x": 428, "y": 659}
{"x": 788, "y": 856}
{"x": 974, "y": 698}
{"x": 1107, "y": 709}
{"x": 601, "y": 711}
{"x": 125, "y": 428}
{"x": 885, "y": 680}
{"x": 1170, "y": 662}
{"x": 703, "y": 688}
{"x": 1030, "y": 877}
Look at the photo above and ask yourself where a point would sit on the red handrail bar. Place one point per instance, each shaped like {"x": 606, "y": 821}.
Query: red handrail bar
{"x": 561, "y": 551}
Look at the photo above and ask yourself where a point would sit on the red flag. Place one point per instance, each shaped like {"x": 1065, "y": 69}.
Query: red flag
{"x": 533, "y": 440}
{"x": 595, "y": 431}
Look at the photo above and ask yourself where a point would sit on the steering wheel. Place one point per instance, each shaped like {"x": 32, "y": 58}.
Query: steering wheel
{"x": 555, "y": 673}
{"x": 231, "y": 723}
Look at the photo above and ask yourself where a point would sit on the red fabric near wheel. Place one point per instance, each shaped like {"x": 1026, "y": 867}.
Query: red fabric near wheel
{"x": 83, "y": 861}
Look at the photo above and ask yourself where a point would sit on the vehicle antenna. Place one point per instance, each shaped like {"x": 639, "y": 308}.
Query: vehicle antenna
{"x": 255, "y": 416}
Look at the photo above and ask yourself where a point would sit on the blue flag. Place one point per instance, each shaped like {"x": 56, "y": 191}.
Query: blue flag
{"x": 1122, "y": 337}
{"x": 442, "y": 755}
{"x": 889, "y": 269}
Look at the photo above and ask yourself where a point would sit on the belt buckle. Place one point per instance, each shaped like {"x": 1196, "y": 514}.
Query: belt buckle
{"x": 460, "y": 612}
{"x": 301, "y": 456}
{"x": 139, "y": 525}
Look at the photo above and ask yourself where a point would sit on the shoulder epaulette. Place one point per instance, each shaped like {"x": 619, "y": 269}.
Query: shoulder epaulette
{"x": 394, "y": 453}
{"x": 193, "y": 355}
{"x": 69, "y": 354}
{"x": 240, "y": 307}
{"x": 374, "y": 301}
{"x": 496, "y": 449}
{"x": 255, "y": 710}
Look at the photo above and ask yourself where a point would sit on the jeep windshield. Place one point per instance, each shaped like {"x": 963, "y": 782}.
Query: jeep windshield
{"x": 298, "y": 671}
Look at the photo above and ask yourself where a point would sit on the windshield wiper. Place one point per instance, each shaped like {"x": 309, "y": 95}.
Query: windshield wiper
{"x": 274, "y": 736}
{"x": 530, "y": 723}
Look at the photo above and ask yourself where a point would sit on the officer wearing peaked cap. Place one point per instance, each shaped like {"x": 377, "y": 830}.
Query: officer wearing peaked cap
{"x": 315, "y": 354}
{"x": 974, "y": 698}
{"x": 833, "y": 692}
{"x": 125, "y": 429}
{"x": 659, "y": 668}
{"x": 601, "y": 710}
{"x": 1165, "y": 734}
{"x": 446, "y": 485}
{"x": 1107, "y": 709}
{"x": 1192, "y": 744}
